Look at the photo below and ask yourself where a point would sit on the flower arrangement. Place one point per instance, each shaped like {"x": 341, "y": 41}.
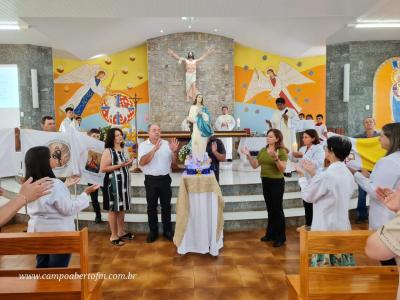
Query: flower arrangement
{"x": 183, "y": 152}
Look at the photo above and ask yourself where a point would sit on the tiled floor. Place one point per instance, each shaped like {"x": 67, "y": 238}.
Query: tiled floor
{"x": 246, "y": 268}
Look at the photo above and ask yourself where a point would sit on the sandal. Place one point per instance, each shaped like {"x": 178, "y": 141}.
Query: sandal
{"x": 127, "y": 236}
{"x": 117, "y": 242}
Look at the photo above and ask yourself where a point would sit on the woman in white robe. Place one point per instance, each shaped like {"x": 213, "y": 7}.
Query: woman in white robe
{"x": 330, "y": 192}
{"x": 55, "y": 211}
{"x": 313, "y": 152}
{"x": 386, "y": 173}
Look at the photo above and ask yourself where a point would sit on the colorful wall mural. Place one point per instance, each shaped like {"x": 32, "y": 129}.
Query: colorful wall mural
{"x": 261, "y": 77}
{"x": 387, "y": 92}
{"x": 102, "y": 90}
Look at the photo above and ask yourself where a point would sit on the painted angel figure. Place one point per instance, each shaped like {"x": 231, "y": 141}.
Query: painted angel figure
{"x": 276, "y": 83}
{"x": 191, "y": 64}
{"x": 90, "y": 76}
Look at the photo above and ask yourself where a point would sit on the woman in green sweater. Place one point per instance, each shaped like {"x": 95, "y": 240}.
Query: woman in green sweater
{"x": 272, "y": 160}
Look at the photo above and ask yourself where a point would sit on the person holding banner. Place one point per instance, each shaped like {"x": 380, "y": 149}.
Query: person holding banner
{"x": 362, "y": 210}
{"x": 67, "y": 123}
{"x": 117, "y": 184}
{"x": 386, "y": 173}
{"x": 29, "y": 191}
{"x": 55, "y": 211}
{"x": 48, "y": 124}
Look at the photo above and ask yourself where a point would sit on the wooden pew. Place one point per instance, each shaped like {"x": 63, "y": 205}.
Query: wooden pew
{"x": 358, "y": 282}
{"x": 12, "y": 287}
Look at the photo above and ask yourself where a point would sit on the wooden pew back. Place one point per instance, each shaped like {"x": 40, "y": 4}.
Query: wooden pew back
{"x": 48, "y": 243}
{"x": 335, "y": 242}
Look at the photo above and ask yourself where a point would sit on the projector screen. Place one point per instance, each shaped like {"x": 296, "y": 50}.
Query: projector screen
{"x": 9, "y": 96}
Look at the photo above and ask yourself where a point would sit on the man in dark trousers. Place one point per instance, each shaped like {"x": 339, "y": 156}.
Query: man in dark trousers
{"x": 155, "y": 158}
{"x": 216, "y": 151}
{"x": 95, "y": 133}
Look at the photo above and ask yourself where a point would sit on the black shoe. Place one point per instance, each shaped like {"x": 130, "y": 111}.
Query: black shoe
{"x": 151, "y": 237}
{"x": 127, "y": 236}
{"x": 169, "y": 235}
{"x": 229, "y": 160}
{"x": 277, "y": 244}
{"x": 266, "y": 238}
{"x": 98, "y": 220}
{"x": 287, "y": 174}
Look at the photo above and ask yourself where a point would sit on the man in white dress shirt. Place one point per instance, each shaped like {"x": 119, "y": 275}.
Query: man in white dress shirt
{"x": 68, "y": 121}
{"x": 285, "y": 119}
{"x": 155, "y": 158}
{"x": 226, "y": 122}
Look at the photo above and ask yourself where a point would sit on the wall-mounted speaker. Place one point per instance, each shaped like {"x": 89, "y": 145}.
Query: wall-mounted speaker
{"x": 346, "y": 83}
{"x": 35, "y": 90}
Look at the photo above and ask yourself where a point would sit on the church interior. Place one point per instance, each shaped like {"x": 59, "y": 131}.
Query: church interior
{"x": 199, "y": 149}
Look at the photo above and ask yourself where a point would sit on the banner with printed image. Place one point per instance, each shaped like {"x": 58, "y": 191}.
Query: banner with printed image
{"x": 87, "y": 151}
{"x": 59, "y": 144}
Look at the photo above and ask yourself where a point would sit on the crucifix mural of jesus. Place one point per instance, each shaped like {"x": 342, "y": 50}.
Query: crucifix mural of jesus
{"x": 191, "y": 63}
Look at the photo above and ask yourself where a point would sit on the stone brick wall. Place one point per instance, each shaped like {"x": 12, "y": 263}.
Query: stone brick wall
{"x": 364, "y": 58}
{"x": 168, "y": 105}
{"x": 29, "y": 57}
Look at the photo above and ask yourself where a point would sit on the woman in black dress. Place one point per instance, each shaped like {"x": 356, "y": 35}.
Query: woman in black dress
{"x": 116, "y": 195}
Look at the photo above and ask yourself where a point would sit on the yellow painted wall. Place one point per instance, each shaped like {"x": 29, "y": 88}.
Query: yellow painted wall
{"x": 129, "y": 66}
{"x": 310, "y": 97}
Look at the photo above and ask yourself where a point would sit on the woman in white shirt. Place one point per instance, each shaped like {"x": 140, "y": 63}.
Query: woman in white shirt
{"x": 28, "y": 192}
{"x": 55, "y": 211}
{"x": 386, "y": 174}
{"x": 312, "y": 151}
{"x": 330, "y": 192}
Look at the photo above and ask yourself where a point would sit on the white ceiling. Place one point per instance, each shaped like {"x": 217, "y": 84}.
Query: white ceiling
{"x": 293, "y": 28}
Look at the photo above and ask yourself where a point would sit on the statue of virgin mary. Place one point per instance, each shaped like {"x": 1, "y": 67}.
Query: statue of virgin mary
{"x": 200, "y": 117}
